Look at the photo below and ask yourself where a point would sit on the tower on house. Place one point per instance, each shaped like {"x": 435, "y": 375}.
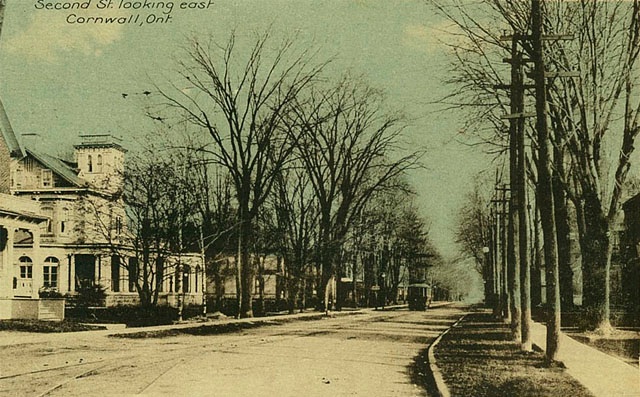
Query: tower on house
{"x": 100, "y": 160}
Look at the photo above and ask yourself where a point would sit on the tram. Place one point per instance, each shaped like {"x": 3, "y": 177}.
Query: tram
{"x": 419, "y": 296}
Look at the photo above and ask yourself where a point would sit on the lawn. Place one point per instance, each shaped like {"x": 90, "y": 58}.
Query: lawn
{"x": 46, "y": 326}
{"x": 624, "y": 344}
{"x": 478, "y": 359}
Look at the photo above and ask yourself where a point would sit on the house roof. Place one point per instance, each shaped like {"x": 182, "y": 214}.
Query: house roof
{"x": 59, "y": 167}
{"x": 19, "y": 207}
{"x": 7, "y": 133}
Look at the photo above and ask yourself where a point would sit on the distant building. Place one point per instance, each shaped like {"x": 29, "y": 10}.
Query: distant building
{"x": 629, "y": 242}
{"x": 65, "y": 219}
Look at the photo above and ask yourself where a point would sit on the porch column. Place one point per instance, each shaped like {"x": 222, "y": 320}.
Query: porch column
{"x": 72, "y": 273}
{"x": 38, "y": 264}
{"x": 6, "y": 264}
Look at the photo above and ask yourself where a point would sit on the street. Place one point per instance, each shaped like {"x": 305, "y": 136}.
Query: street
{"x": 369, "y": 354}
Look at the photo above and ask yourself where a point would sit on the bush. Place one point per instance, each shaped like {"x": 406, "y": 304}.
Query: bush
{"x": 133, "y": 316}
{"x": 90, "y": 296}
{"x": 49, "y": 293}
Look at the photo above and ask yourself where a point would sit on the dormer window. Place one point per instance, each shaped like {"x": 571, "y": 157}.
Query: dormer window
{"x": 47, "y": 178}
{"x": 89, "y": 163}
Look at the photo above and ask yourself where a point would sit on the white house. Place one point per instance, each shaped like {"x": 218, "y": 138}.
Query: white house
{"x": 65, "y": 220}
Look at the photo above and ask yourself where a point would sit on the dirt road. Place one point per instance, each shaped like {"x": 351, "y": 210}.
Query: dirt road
{"x": 367, "y": 354}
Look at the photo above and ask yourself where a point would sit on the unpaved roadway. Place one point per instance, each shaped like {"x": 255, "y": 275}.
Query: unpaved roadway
{"x": 366, "y": 354}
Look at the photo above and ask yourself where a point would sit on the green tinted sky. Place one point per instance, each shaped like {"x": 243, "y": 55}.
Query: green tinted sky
{"x": 61, "y": 79}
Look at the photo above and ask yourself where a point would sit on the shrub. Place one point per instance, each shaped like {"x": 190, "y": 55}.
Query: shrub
{"x": 90, "y": 296}
{"x": 49, "y": 293}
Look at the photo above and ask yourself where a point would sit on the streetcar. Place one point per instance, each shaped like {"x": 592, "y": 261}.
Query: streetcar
{"x": 419, "y": 296}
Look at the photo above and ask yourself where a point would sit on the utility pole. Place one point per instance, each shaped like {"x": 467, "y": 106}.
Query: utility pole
{"x": 544, "y": 188}
{"x": 516, "y": 128}
{"x": 519, "y": 271}
{"x": 495, "y": 269}
{"x": 502, "y": 204}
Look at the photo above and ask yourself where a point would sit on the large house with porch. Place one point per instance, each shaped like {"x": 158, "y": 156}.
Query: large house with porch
{"x": 65, "y": 227}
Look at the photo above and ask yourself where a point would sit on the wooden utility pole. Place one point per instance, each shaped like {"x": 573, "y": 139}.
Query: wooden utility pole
{"x": 516, "y": 128}
{"x": 502, "y": 210}
{"x": 523, "y": 238}
{"x": 519, "y": 275}
{"x": 495, "y": 267}
{"x": 545, "y": 189}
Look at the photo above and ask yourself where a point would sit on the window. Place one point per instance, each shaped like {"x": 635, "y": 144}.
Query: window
{"x": 89, "y": 163}
{"x": 160, "y": 274}
{"x": 51, "y": 272}
{"x": 47, "y": 178}
{"x": 64, "y": 221}
{"x": 118, "y": 225}
{"x": 133, "y": 273}
{"x": 48, "y": 212}
{"x": 115, "y": 273}
{"x": 99, "y": 163}
{"x": 26, "y": 267}
{"x": 186, "y": 273}
{"x": 18, "y": 178}
{"x": 197, "y": 271}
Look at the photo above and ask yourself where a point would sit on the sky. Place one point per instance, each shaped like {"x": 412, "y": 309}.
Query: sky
{"x": 62, "y": 78}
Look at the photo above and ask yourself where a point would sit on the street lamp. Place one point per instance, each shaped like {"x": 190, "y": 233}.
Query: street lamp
{"x": 383, "y": 289}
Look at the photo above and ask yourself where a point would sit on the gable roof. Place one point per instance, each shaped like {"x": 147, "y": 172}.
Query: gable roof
{"x": 6, "y": 132}
{"x": 59, "y": 167}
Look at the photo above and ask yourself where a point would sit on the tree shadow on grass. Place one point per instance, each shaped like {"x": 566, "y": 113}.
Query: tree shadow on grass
{"x": 421, "y": 375}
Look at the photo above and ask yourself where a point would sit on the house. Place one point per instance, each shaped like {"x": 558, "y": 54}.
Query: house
{"x": 18, "y": 217}
{"x": 629, "y": 242}
{"x": 67, "y": 226}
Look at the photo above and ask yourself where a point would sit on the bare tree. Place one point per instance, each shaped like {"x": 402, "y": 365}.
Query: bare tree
{"x": 157, "y": 199}
{"x": 473, "y": 237}
{"x": 347, "y": 144}
{"x": 239, "y": 99}
{"x": 594, "y": 118}
{"x": 296, "y": 217}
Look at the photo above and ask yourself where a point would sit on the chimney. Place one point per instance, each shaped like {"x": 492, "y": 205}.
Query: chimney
{"x": 32, "y": 141}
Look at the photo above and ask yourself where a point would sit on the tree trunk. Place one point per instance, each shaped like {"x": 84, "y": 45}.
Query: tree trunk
{"x": 595, "y": 245}
{"x": 259, "y": 264}
{"x": 245, "y": 267}
{"x": 563, "y": 231}
{"x": 536, "y": 273}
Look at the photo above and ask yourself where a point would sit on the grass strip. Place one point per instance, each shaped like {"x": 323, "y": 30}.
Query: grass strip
{"x": 478, "y": 359}
{"x": 42, "y": 326}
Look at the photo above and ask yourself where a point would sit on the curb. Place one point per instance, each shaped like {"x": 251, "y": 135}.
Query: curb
{"x": 441, "y": 386}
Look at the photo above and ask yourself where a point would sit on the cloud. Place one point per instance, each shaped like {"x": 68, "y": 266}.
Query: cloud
{"x": 48, "y": 37}
{"x": 430, "y": 38}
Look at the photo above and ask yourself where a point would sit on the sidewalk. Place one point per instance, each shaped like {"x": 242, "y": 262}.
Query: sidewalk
{"x": 602, "y": 374}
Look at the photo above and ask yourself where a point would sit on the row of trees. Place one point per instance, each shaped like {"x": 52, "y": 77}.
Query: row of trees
{"x": 583, "y": 57}
{"x": 273, "y": 157}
